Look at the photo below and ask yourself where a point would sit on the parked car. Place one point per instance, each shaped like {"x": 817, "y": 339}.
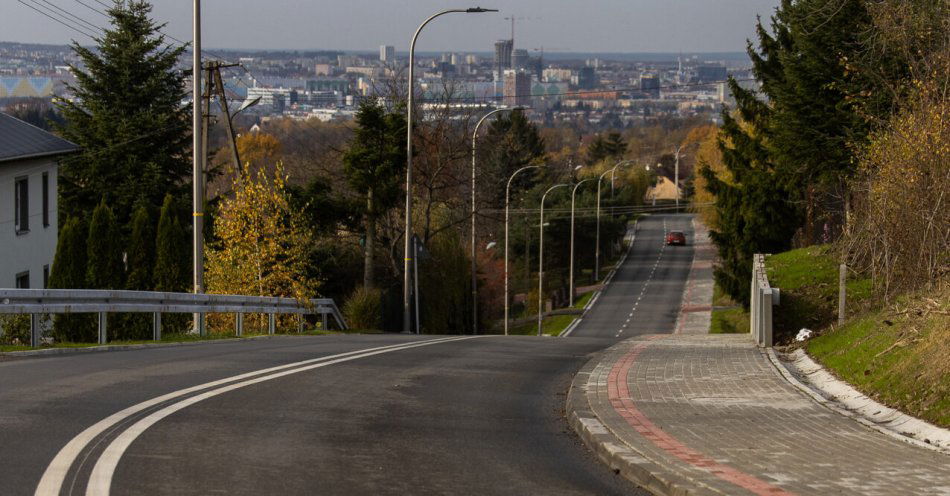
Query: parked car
{"x": 675, "y": 238}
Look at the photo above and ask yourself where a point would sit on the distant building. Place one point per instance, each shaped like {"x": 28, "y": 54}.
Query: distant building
{"x": 323, "y": 70}
{"x": 586, "y": 78}
{"x": 650, "y": 84}
{"x": 519, "y": 59}
{"x": 503, "y": 49}
{"x": 517, "y": 88}
{"x": 710, "y": 73}
{"x": 387, "y": 54}
{"x": 556, "y": 75}
{"x": 28, "y": 183}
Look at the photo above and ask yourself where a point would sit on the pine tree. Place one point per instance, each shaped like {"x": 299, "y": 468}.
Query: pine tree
{"x": 69, "y": 272}
{"x": 141, "y": 251}
{"x": 373, "y": 164}
{"x": 611, "y": 147}
{"x": 127, "y": 118}
{"x": 171, "y": 251}
{"x": 511, "y": 143}
{"x": 105, "y": 268}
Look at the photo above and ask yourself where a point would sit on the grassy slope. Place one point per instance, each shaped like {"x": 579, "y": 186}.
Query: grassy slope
{"x": 895, "y": 354}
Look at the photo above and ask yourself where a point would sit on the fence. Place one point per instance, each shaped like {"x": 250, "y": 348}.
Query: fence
{"x": 762, "y": 300}
{"x": 37, "y": 302}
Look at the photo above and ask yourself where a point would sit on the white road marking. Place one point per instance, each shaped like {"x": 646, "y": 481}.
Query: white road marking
{"x": 52, "y": 481}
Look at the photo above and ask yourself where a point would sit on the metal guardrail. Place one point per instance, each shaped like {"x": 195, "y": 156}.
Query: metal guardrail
{"x": 37, "y": 302}
{"x": 763, "y": 298}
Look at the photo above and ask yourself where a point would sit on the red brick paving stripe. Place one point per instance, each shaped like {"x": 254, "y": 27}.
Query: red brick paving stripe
{"x": 618, "y": 393}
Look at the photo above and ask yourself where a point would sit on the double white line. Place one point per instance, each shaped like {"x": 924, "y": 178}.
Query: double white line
{"x": 100, "y": 480}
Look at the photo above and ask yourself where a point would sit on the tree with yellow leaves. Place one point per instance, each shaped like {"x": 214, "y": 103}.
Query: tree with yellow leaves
{"x": 261, "y": 242}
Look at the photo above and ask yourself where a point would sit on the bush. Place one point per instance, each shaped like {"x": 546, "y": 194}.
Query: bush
{"x": 364, "y": 309}
{"x": 14, "y": 329}
{"x": 104, "y": 266}
{"x": 69, "y": 272}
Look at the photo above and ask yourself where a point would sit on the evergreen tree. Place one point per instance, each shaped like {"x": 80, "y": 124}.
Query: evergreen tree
{"x": 104, "y": 269}
{"x": 141, "y": 251}
{"x": 611, "y": 147}
{"x": 69, "y": 272}
{"x": 512, "y": 142}
{"x": 127, "y": 117}
{"x": 171, "y": 250}
{"x": 69, "y": 264}
{"x": 373, "y": 164}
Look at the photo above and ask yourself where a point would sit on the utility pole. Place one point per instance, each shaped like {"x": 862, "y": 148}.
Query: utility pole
{"x": 676, "y": 178}
{"x": 197, "y": 172}
{"x": 215, "y": 67}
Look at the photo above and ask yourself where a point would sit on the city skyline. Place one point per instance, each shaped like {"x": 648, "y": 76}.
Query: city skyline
{"x": 619, "y": 26}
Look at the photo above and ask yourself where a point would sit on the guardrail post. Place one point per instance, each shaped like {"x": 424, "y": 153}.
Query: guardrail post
{"x": 34, "y": 330}
{"x": 323, "y": 319}
{"x": 202, "y": 328}
{"x": 103, "y": 328}
{"x": 239, "y": 324}
{"x": 157, "y": 326}
{"x": 271, "y": 324}
{"x": 300, "y": 323}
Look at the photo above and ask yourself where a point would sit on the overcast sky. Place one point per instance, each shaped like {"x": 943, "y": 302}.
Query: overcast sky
{"x": 556, "y": 25}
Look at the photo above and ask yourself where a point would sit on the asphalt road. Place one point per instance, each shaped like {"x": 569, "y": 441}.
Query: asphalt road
{"x": 645, "y": 293}
{"x": 343, "y": 414}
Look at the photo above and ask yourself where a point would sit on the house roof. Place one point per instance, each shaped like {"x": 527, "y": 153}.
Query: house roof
{"x": 21, "y": 140}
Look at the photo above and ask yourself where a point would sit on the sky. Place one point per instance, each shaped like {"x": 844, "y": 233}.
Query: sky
{"x": 555, "y": 25}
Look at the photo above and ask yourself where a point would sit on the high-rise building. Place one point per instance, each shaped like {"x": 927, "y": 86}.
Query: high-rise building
{"x": 586, "y": 78}
{"x": 650, "y": 84}
{"x": 709, "y": 73}
{"x": 519, "y": 58}
{"x": 517, "y": 89}
{"x": 503, "y": 49}
{"x": 387, "y": 53}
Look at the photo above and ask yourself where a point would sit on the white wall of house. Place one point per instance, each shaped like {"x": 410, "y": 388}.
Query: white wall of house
{"x": 29, "y": 251}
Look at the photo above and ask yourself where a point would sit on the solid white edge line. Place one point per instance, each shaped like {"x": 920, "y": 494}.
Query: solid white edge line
{"x": 51, "y": 482}
{"x": 100, "y": 481}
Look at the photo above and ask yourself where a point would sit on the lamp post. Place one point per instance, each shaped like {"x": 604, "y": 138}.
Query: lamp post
{"x": 407, "y": 247}
{"x": 612, "y": 174}
{"x": 474, "y": 267}
{"x": 541, "y": 258}
{"x": 507, "y": 195}
{"x": 197, "y": 179}
{"x": 600, "y": 180}
{"x": 571, "y": 272}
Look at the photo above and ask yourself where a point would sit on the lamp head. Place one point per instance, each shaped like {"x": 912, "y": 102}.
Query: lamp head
{"x": 479, "y": 10}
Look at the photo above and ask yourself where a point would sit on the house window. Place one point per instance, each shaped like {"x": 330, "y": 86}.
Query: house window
{"x": 45, "y": 276}
{"x": 21, "y": 209}
{"x": 23, "y": 280}
{"x": 45, "y": 199}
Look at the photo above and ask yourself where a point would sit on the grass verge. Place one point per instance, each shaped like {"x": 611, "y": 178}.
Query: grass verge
{"x": 728, "y": 317}
{"x": 550, "y": 326}
{"x": 896, "y": 355}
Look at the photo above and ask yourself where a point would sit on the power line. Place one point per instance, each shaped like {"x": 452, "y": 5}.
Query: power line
{"x": 70, "y": 26}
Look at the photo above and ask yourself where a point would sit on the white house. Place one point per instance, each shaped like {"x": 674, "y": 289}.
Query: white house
{"x": 28, "y": 220}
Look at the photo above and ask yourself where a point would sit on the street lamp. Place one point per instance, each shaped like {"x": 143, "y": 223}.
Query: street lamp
{"x": 474, "y": 268}
{"x": 597, "y": 239}
{"x": 571, "y": 273}
{"x": 507, "y": 195}
{"x": 407, "y": 247}
{"x": 618, "y": 164}
{"x": 541, "y": 258}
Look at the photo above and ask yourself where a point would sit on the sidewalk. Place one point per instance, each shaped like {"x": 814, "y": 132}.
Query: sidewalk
{"x": 708, "y": 414}
{"x": 695, "y": 413}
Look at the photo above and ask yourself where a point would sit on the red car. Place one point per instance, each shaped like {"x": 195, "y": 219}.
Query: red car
{"x": 675, "y": 238}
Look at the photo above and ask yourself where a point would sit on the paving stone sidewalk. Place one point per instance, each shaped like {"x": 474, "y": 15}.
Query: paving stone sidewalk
{"x": 708, "y": 414}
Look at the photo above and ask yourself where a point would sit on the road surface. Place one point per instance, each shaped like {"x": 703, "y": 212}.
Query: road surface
{"x": 343, "y": 414}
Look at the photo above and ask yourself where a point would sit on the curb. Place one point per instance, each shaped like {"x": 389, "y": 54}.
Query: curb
{"x": 126, "y": 347}
{"x": 819, "y": 396}
{"x": 616, "y": 454}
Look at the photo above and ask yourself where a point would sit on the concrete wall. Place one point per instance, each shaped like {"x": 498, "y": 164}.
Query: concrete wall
{"x": 32, "y": 250}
